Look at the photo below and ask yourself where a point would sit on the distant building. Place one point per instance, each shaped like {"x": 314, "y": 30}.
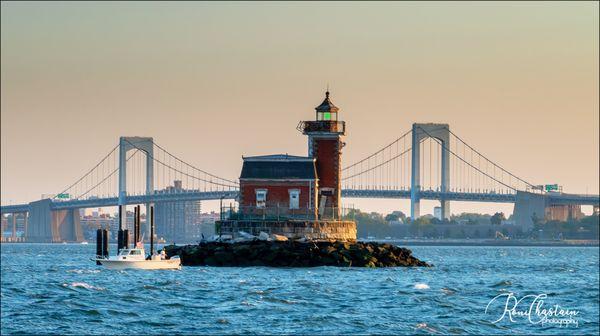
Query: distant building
{"x": 397, "y": 222}
{"x": 207, "y": 225}
{"x": 89, "y": 225}
{"x": 13, "y": 227}
{"x": 179, "y": 222}
{"x": 437, "y": 212}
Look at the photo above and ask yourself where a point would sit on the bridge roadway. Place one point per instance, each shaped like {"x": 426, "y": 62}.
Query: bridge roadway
{"x": 554, "y": 199}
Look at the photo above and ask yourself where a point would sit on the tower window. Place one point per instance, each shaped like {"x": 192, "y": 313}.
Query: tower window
{"x": 261, "y": 198}
{"x": 327, "y": 116}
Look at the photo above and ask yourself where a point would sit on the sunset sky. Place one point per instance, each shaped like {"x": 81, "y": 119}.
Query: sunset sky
{"x": 214, "y": 81}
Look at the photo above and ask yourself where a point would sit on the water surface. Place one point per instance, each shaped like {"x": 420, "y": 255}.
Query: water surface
{"x": 57, "y": 289}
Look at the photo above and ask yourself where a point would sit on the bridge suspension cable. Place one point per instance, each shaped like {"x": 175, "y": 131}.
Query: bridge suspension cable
{"x": 231, "y": 185}
{"x": 469, "y": 163}
{"x": 385, "y": 169}
{"x": 488, "y": 160}
{"x": 89, "y": 173}
{"x": 377, "y": 166}
{"x": 379, "y": 151}
{"x": 462, "y": 169}
{"x": 107, "y": 177}
{"x": 193, "y": 167}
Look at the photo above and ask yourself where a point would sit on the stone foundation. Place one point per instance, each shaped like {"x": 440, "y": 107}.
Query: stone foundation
{"x": 294, "y": 254}
{"x": 293, "y": 229}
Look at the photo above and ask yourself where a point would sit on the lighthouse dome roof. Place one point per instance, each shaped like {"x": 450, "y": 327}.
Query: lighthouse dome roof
{"x": 327, "y": 105}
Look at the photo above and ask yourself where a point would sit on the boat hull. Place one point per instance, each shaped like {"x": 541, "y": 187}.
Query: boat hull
{"x": 141, "y": 264}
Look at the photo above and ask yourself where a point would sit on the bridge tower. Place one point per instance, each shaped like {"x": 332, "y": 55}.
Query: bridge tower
{"x": 145, "y": 144}
{"x": 440, "y": 132}
{"x": 325, "y": 145}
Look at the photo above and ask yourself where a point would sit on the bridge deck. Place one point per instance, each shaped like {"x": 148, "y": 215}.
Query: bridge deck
{"x": 554, "y": 199}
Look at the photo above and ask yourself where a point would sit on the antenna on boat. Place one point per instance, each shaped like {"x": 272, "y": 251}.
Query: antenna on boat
{"x": 151, "y": 231}
{"x": 137, "y": 224}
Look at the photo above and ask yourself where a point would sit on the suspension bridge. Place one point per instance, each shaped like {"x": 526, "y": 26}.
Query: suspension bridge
{"x": 427, "y": 162}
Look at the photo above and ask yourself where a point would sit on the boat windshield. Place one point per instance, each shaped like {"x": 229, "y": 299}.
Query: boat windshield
{"x": 135, "y": 252}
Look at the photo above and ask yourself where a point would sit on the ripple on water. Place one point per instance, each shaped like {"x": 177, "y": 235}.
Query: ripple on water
{"x": 87, "y": 312}
{"x": 503, "y": 283}
{"x": 421, "y": 286}
{"x": 82, "y": 285}
{"x": 82, "y": 271}
{"x": 448, "y": 291}
{"x": 425, "y": 327}
{"x": 122, "y": 313}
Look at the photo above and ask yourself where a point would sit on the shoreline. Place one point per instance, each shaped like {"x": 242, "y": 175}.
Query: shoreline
{"x": 432, "y": 242}
{"x": 489, "y": 242}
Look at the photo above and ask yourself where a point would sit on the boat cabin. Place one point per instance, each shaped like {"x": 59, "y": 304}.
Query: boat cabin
{"x": 132, "y": 254}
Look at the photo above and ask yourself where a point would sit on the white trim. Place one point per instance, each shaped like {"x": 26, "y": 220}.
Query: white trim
{"x": 263, "y": 203}
{"x": 296, "y": 193}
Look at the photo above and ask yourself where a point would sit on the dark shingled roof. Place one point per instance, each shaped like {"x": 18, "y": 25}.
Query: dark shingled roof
{"x": 326, "y": 105}
{"x": 278, "y": 167}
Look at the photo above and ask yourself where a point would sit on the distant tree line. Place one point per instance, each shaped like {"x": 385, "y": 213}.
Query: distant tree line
{"x": 467, "y": 225}
{"x": 584, "y": 228}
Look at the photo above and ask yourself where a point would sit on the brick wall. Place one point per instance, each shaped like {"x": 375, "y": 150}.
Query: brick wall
{"x": 277, "y": 194}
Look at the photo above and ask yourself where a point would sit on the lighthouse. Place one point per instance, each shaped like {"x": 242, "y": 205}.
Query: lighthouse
{"x": 298, "y": 197}
{"x": 325, "y": 146}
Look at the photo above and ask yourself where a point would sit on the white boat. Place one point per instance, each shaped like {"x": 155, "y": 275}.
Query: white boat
{"x": 84, "y": 243}
{"x": 136, "y": 258}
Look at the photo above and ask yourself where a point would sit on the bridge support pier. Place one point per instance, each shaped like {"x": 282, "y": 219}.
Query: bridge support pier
{"x": 53, "y": 226}
{"x": 415, "y": 206}
{"x": 529, "y": 208}
{"x": 445, "y": 205}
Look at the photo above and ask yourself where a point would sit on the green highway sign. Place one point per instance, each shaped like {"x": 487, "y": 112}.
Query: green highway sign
{"x": 63, "y": 196}
{"x": 551, "y": 187}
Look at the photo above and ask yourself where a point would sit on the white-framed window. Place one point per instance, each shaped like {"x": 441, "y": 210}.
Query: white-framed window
{"x": 294, "y": 198}
{"x": 261, "y": 198}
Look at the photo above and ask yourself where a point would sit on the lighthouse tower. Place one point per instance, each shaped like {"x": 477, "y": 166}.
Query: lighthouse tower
{"x": 325, "y": 145}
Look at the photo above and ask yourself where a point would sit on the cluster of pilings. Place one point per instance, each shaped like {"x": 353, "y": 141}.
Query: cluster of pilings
{"x": 123, "y": 234}
{"x": 101, "y": 244}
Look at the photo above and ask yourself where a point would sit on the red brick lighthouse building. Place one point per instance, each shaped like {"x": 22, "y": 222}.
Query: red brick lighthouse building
{"x": 295, "y": 196}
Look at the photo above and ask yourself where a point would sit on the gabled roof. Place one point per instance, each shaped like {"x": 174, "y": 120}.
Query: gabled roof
{"x": 326, "y": 105}
{"x": 279, "y": 167}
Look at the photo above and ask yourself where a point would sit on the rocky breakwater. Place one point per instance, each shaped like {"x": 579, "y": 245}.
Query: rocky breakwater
{"x": 294, "y": 254}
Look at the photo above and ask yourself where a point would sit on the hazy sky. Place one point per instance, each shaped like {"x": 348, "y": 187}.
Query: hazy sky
{"x": 214, "y": 81}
